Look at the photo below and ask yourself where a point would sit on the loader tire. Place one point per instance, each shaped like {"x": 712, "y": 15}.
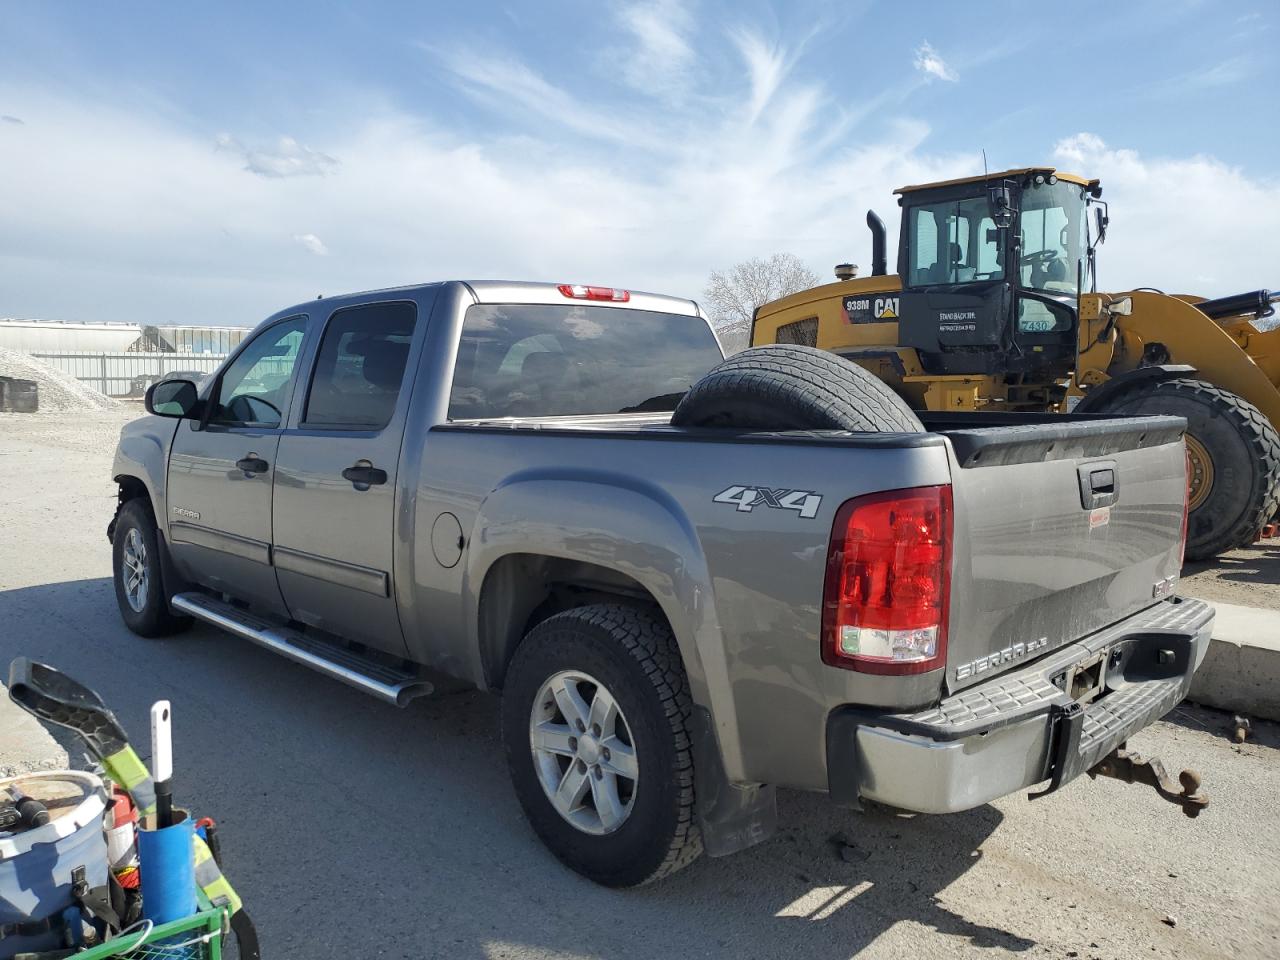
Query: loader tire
{"x": 1235, "y": 455}
{"x": 787, "y": 387}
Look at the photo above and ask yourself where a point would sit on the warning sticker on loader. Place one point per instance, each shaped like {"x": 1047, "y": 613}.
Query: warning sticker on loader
{"x": 870, "y": 309}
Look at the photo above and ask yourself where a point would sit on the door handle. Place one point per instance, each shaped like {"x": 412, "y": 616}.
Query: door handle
{"x": 364, "y": 475}
{"x": 1099, "y": 484}
{"x": 253, "y": 464}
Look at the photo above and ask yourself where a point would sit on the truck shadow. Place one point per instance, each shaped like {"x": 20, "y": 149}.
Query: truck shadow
{"x": 350, "y": 827}
{"x": 1259, "y": 563}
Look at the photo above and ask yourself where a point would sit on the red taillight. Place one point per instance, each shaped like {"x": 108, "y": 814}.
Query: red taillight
{"x": 579, "y": 291}
{"x": 885, "y": 605}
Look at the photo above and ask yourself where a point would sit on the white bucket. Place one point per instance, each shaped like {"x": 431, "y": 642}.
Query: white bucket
{"x": 36, "y": 864}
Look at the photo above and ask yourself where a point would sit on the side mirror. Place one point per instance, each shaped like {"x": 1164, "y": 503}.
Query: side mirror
{"x": 1101, "y": 219}
{"x": 1000, "y": 201}
{"x": 172, "y": 398}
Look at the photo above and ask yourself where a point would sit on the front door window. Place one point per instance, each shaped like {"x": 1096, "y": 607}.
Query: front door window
{"x": 255, "y": 388}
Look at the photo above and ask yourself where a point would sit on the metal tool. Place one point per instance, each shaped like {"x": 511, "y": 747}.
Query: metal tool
{"x": 1131, "y": 768}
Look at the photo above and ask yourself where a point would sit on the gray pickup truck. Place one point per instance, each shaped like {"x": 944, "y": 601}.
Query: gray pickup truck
{"x": 782, "y": 583}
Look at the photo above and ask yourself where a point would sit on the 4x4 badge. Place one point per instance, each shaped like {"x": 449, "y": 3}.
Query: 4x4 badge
{"x": 804, "y": 502}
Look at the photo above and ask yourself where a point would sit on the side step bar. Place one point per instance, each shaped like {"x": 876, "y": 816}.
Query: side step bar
{"x": 386, "y": 683}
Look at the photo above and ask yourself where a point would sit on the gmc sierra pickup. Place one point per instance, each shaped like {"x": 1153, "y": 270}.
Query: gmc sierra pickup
{"x": 486, "y": 481}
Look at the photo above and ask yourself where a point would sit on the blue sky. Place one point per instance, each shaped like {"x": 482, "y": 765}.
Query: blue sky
{"x": 166, "y": 162}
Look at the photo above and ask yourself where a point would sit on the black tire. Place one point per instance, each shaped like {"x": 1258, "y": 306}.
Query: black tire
{"x": 1245, "y": 452}
{"x": 154, "y": 618}
{"x": 632, "y": 652}
{"x": 787, "y": 387}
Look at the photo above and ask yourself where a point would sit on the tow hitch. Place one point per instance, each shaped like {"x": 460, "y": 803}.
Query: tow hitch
{"x": 1130, "y": 768}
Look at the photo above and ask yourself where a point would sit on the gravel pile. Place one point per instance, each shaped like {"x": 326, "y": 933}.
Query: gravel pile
{"x": 59, "y": 392}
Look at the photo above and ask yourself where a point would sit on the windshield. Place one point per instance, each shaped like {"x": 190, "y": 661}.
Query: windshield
{"x": 953, "y": 242}
{"x": 524, "y": 360}
{"x": 1052, "y": 237}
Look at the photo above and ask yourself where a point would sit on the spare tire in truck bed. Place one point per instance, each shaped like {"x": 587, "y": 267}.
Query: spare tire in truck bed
{"x": 787, "y": 387}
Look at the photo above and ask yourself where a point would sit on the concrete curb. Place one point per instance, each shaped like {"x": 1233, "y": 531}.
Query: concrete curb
{"x": 1241, "y": 671}
{"x": 25, "y": 745}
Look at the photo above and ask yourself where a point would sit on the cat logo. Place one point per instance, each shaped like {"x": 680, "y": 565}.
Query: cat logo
{"x": 886, "y": 308}
{"x": 859, "y": 309}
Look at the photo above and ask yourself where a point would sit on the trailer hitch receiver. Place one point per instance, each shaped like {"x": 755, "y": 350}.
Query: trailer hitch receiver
{"x": 1128, "y": 767}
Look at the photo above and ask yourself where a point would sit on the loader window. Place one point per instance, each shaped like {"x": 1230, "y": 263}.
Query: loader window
{"x": 952, "y": 242}
{"x": 1052, "y": 237}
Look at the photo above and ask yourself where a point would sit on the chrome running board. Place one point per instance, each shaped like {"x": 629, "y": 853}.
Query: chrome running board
{"x": 364, "y": 673}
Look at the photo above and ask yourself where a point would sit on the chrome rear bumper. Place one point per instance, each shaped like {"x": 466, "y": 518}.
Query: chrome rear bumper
{"x": 1022, "y": 727}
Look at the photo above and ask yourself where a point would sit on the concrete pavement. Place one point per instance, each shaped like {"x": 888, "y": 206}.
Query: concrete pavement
{"x": 1241, "y": 671}
{"x": 354, "y": 829}
{"x": 25, "y": 745}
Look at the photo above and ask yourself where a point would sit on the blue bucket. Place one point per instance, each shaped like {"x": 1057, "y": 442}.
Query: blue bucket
{"x": 167, "y": 865}
{"x": 36, "y": 864}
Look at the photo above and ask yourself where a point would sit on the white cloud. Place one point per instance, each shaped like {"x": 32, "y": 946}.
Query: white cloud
{"x": 151, "y": 224}
{"x": 930, "y": 62}
{"x": 1202, "y": 79}
{"x": 288, "y": 158}
{"x": 1179, "y": 222}
{"x": 504, "y": 84}
{"x": 312, "y": 243}
{"x": 767, "y": 66}
{"x": 660, "y": 62}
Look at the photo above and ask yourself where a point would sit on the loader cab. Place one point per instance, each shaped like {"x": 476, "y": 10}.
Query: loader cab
{"x": 991, "y": 269}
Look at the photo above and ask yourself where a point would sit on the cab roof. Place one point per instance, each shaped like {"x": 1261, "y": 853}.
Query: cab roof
{"x": 524, "y": 291}
{"x": 503, "y": 291}
{"x": 1000, "y": 175}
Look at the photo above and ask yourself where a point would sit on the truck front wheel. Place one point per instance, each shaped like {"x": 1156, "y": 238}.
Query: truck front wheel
{"x": 139, "y": 580}
{"x": 595, "y": 716}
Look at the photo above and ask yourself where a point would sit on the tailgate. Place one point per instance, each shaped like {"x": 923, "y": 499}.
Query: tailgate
{"x": 1063, "y": 527}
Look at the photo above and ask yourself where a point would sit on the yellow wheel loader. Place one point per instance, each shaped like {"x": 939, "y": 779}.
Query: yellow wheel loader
{"x": 995, "y": 308}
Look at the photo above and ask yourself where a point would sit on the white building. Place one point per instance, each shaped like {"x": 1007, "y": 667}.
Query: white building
{"x": 32, "y": 336}
{"x": 121, "y": 359}
{"x": 75, "y": 336}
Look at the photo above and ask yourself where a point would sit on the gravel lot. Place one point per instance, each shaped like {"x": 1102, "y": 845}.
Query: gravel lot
{"x": 1249, "y": 577}
{"x": 354, "y": 829}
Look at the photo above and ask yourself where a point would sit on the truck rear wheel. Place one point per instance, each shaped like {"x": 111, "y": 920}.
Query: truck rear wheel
{"x": 1234, "y": 453}
{"x": 787, "y": 387}
{"x": 595, "y": 716}
{"x": 139, "y": 579}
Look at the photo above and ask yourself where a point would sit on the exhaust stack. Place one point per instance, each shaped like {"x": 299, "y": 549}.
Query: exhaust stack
{"x": 879, "y": 259}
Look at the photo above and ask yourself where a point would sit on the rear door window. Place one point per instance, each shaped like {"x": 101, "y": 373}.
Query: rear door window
{"x": 360, "y": 366}
{"x": 527, "y": 360}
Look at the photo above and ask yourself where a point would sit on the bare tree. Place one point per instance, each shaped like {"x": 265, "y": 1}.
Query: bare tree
{"x": 731, "y": 297}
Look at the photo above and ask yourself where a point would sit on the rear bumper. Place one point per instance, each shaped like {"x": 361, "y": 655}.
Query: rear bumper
{"x": 1023, "y": 727}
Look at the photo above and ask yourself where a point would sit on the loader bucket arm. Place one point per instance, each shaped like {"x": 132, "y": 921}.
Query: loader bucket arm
{"x": 1193, "y": 338}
